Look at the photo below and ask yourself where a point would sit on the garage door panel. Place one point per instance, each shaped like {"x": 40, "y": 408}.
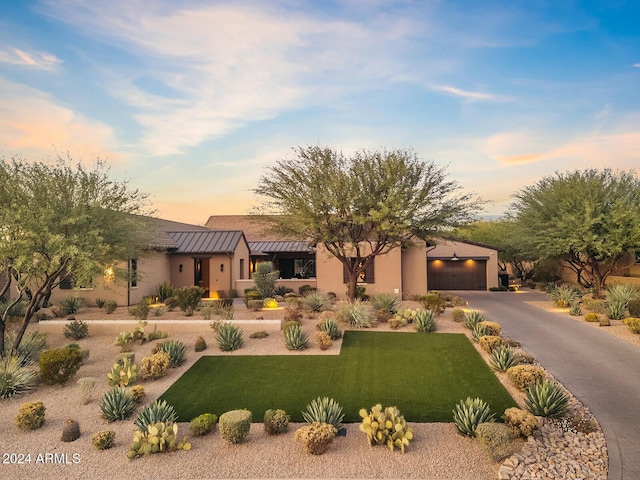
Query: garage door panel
{"x": 456, "y": 275}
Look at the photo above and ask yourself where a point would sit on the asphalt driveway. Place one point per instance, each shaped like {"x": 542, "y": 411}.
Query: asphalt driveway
{"x": 598, "y": 368}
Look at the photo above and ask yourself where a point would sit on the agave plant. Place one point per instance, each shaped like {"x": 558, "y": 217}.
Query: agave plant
{"x": 575, "y": 309}
{"x": 176, "y": 351}
{"x": 29, "y": 349}
{"x": 622, "y": 292}
{"x": 616, "y": 310}
{"x": 470, "y": 413}
{"x": 503, "y": 358}
{"x": 316, "y": 301}
{"x": 324, "y": 410}
{"x": 565, "y": 295}
{"x": 425, "y": 321}
{"x": 546, "y": 399}
{"x": 295, "y": 338}
{"x": 117, "y": 404}
{"x": 15, "y": 378}
{"x": 331, "y": 328}
{"x": 387, "y": 302}
{"x": 472, "y": 318}
{"x": 158, "y": 411}
{"x": 356, "y": 313}
{"x": 229, "y": 337}
{"x": 479, "y": 330}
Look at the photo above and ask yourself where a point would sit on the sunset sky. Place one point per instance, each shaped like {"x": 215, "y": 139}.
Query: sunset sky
{"x": 193, "y": 100}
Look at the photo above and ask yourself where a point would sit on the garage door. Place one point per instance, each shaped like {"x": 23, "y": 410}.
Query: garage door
{"x": 456, "y": 274}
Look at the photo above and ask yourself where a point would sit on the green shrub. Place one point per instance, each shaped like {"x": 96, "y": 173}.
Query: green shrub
{"x": 138, "y": 393}
{"x": 356, "y": 313}
{"x": 140, "y": 310}
{"x": 386, "y": 302}
{"x": 117, "y": 404}
{"x": 323, "y": 340}
{"x": 235, "y": 425}
{"x": 171, "y": 303}
{"x": 110, "y": 306}
{"x": 330, "y": 327}
{"x": 164, "y": 291}
{"x": 155, "y": 366}
{"x": 203, "y": 424}
{"x": 295, "y": 338}
{"x": 158, "y": 411}
{"x": 522, "y": 376}
{"x": 270, "y": 303}
{"x": 546, "y": 399}
{"x": 70, "y": 305}
{"x": 276, "y": 421}
{"x": 472, "y": 318}
{"x": 470, "y": 413}
{"x": 15, "y": 378}
{"x": 302, "y": 289}
{"x": 282, "y": 290}
{"x": 592, "y": 317}
{"x": 122, "y": 374}
{"x": 596, "y": 305}
{"x": 433, "y": 302}
{"x": 616, "y": 310}
{"x": 188, "y": 298}
{"x": 522, "y": 423}
{"x": 259, "y": 334}
{"x": 324, "y": 410}
{"x": 104, "y": 440}
{"x": 158, "y": 438}
{"x": 76, "y": 330}
{"x": 229, "y": 337}
{"x": 496, "y": 439}
{"x": 265, "y": 278}
{"x": 58, "y": 365}
{"x": 316, "y": 437}
{"x": 315, "y": 301}
{"x": 385, "y": 427}
{"x": 175, "y": 349}
{"x": 200, "y": 344}
{"x": 633, "y": 323}
{"x": 425, "y": 321}
{"x": 634, "y": 307}
{"x": 290, "y": 323}
{"x": 30, "y": 416}
{"x": 490, "y": 342}
{"x": 255, "y": 305}
{"x": 503, "y": 358}
{"x": 158, "y": 311}
{"x": 458, "y": 315}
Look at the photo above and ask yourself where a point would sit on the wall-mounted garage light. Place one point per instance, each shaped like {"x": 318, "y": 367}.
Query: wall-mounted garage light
{"x": 455, "y": 257}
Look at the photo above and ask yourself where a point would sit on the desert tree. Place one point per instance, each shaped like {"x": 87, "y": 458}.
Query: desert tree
{"x": 60, "y": 220}
{"x": 590, "y": 219}
{"x": 363, "y": 205}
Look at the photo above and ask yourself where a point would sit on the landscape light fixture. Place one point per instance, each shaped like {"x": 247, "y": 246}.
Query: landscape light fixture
{"x": 455, "y": 257}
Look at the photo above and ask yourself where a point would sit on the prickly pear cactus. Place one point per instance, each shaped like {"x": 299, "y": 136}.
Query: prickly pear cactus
{"x": 122, "y": 374}
{"x": 159, "y": 438}
{"x": 386, "y": 427}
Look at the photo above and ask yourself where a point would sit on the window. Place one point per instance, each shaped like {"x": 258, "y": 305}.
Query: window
{"x": 133, "y": 273}
{"x": 66, "y": 282}
{"x": 368, "y": 276}
{"x": 242, "y": 269}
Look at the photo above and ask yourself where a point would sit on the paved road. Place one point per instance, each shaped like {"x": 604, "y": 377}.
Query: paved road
{"x": 598, "y": 368}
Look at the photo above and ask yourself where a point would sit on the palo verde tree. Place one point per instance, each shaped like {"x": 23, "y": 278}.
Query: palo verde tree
{"x": 590, "y": 219}
{"x": 61, "y": 221}
{"x": 363, "y": 205}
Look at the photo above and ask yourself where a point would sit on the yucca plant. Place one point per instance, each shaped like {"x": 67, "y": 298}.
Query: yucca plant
{"x": 546, "y": 399}
{"x": 117, "y": 404}
{"x": 387, "y": 302}
{"x": 622, "y": 292}
{"x": 71, "y": 305}
{"x": 29, "y": 349}
{"x": 470, "y": 413}
{"x": 324, "y": 410}
{"x": 15, "y": 378}
{"x": 295, "y": 338}
{"x": 356, "y": 313}
{"x": 316, "y": 301}
{"x": 616, "y": 310}
{"x": 479, "y": 330}
{"x": 565, "y": 295}
{"x": 503, "y": 358}
{"x": 331, "y": 328}
{"x": 229, "y": 337}
{"x": 472, "y": 318}
{"x": 158, "y": 411}
{"x": 425, "y": 321}
{"x": 175, "y": 349}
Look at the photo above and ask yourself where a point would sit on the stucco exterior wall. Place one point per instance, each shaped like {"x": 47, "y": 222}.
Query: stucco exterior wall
{"x": 414, "y": 271}
{"x": 446, "y": 249}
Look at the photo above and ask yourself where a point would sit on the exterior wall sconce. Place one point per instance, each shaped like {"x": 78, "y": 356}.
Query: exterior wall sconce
{"x": 180, "y": 268}
{"x": 454, "y": 258}
{"x": 222, "y": 267}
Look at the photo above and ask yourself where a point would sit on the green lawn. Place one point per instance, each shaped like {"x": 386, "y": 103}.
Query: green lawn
{"x": 423, "y": 375}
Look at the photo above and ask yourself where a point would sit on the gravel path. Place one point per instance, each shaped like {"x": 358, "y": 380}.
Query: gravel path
{"x": 437, "y": 452}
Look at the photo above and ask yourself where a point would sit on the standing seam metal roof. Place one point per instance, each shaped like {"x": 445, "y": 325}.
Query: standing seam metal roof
{"x": 218, "y": 241}
{"x": 280, "y": 247}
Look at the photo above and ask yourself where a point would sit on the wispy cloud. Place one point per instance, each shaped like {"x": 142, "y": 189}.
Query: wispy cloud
{"x": 636, "y": 65}
{"x": 32, "y": 123}
{"x": 39, "y": 60}
{"x": 469, "y": 94}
